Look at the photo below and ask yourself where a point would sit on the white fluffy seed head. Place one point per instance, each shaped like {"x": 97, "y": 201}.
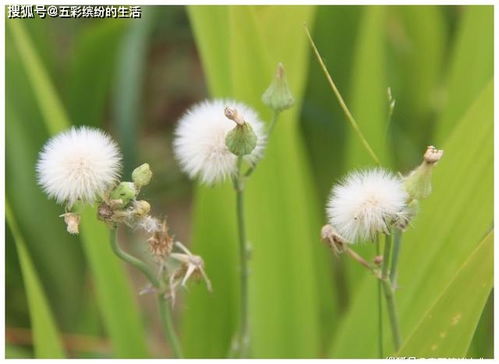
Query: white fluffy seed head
{"x": 79, "y": 164}
{"x": 199, "y": 143}
{"x": 366, "y": 203}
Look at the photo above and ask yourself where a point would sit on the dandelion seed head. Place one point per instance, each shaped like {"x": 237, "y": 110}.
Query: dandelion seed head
{"x": 199, "y": 143}
{"x": 78, "y": 164}
{"x": 366, "y": 203}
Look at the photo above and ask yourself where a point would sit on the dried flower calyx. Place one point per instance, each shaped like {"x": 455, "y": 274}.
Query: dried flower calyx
{"x": 418, "y": 182}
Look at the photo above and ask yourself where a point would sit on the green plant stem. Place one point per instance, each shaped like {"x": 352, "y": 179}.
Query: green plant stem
{"x": 167, "y": 321}
{"x": 342, "y": 103}
{"x": 390, "y": 296}
{"x": 243, "y": 337}
{"x": 164, "y": 309}
{"x": 397, "y": 242}
{"x": 380, "y": 308}
{"x": 273, "y": 122}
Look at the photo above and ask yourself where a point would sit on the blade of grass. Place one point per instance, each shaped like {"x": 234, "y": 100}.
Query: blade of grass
{"x": 47, "y": 343}
{"x": 472, "y": 65}
{"x": 447, "y": 328}
{"x": 91, "y": 69}
{"x": 45, "y": 93}
{"x": 127, "y": 93}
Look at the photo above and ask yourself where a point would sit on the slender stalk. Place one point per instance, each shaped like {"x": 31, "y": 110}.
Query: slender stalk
{"x": 380, "y": 308}
{"x": 166, "y": 320}
{"x": 397, "y": 242}
{"x": 275, "y": 116}
{"x": 342, "y": 103}
{"x": 273, "y": 122}
{"x": 164, "y": 309}
{"x": 137, "y": 263}
{"x": 390, "y": 296}
{"x": 243, "y": 338}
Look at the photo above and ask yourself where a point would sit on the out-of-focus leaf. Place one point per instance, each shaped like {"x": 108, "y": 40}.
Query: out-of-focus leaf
{"x": 451, "y": 222}
{"x": 417, "y": 37}
{"x": 127, "y": 93}
{"x": 91, "y": 70}
{"x": 368, "y": 100}
{"x": 482, "y": 345}
{"x": 45, "y": 93}
{"x": 471, "y": 68}
{"x": 118, "y": 304}
{"x": 46, "y": 338}
{"x": 282, "y": 220}
{"x": 323, "y": 121}
{"x": 446, "y": 329}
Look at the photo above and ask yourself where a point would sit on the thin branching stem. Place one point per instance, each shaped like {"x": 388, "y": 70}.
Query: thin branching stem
{"x": 164, "y": 308}
{"x": 342, "y": 103}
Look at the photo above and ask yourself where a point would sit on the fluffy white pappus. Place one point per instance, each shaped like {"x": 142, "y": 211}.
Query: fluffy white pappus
{"x": 149, "y": 224}
{"x": 199, "y": 144}
{"x": 79, "y": 164}
{"x": 366, "y": 203}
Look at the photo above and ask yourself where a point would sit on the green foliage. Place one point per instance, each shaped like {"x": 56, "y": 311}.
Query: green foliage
{"x": 46, "y": 338}
{"x": 446, "y": 329}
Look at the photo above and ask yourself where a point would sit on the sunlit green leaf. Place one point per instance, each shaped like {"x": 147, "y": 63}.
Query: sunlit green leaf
{"x": 446, "y": 329}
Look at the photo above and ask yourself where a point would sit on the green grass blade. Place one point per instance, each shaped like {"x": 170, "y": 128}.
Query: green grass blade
{"x": 127, "y": 91}
{"x": 284, "y": 316}
{"x": 368, "y": 100}
{"x": 91, "y": 68}
{"x": 118, "y": 303}
{"x": 447, "y": 327}
{"x": 417, "y": 39}
{"x": 472, "y": 65}
{"x": 456, "y": 216}
{"x": 45, "y": 93}
{"x": 46, "y": 339}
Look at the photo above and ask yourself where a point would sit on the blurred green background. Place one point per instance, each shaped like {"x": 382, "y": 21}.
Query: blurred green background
{"x": 67, "y": 296}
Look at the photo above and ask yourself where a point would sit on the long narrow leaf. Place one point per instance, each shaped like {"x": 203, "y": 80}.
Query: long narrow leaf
{"x": 46, "y": 339}
{"x": 447, "y": 327}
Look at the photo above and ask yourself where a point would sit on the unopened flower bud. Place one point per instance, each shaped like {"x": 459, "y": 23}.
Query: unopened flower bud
{"x": 142, "y": 175}
{"x": 242, "y": 139}
{"x": 125, "y": 192}
{"x": 418, "y": 182}
{"x": 278, "y": 97}
{"x": 72, "y": 221}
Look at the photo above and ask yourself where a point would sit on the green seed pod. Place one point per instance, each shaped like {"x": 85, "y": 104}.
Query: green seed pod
{"x": 126, "y": 192}
{"x": 278, "y": 97}
{"x": 142, "y": 175}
